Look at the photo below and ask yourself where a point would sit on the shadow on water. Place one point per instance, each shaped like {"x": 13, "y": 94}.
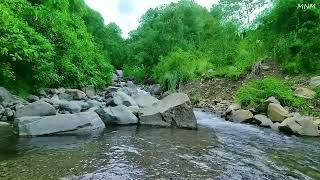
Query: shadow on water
{"x": 218, "y": 150}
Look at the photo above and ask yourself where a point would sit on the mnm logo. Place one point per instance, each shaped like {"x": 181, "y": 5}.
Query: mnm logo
{"x": 306, "y": 6}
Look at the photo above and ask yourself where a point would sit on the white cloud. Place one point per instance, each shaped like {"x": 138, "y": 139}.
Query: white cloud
{"x": 126, "y": 13}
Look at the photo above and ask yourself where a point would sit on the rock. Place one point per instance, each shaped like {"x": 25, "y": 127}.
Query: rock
{"x": 315, "y": 82}
{"x": 61, "y": 90}
{"x": 72, "y": 107}
{"x": 242, "y": 116}
{"x": 32, "y": 98}
{"x": 110, "y": 102}
{"x": 165, "y": 94}
{"x": 90, "y": 91}
{"x": 155, "y": 89}
{"x": 53, "y": 91}
{"x": 4, "y": 124}
{"x": 304, "y": 93}
{"x": 119, "y": 73}
{"x": 84, "y": 106}
{"x": 272, "y": 100}
{"x": 145, "y": 100}
{"x": 2, "y": 109}
{"x": 277, "y": 113}
{"x": 233, "y": 107}
{"x": 114, "y": 77}
{"x": 275, "y": 126}
{"x": 135, "y": 110}
{"x": 263, "y": 120}
{"x": 300, "y": 125}
{"x": 174, "y": 110}
{"x": 6, "y": 99}
{"x": 111, "y": 89}
{"x": 117, "y": 115}
{"x": 8, "y": 112}
{"x": 120, "y": 98}
{"x": 85, "y": 122}
{"x": 76, "y": 94}
{"x": 94, "y": 103}
{"x": 38, "y": 108}
{"x": 42, "y": 93}
{"x": 65, "y": 96}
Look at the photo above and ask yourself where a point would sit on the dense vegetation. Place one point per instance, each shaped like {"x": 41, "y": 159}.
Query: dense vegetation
{"x": 64, "y": 43}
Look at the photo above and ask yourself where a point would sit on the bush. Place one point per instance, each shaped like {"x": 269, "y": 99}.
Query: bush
{"x": 135, "y": 72}
{"x": 178, "y": 67}
{"x": 255, "y": 92}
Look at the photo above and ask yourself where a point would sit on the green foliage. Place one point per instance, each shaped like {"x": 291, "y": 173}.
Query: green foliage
{"x": 178, "y": 67}
{"x": 255, "y": 92}
{"x": 291, "y": 35}
{"x": 135, "y": 72}
{"x": 48, "y": 43}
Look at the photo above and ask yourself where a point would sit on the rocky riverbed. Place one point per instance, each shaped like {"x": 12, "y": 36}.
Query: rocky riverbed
{"x": 73, "y": 111}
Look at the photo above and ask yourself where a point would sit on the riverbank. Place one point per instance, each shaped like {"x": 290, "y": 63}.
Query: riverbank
{"x": 218, "y": 95}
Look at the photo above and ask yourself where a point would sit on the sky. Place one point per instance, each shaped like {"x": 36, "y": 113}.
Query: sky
{"x": 126, "y": 13}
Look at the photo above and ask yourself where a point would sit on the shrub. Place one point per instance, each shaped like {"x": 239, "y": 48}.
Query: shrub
{"x": 178, "y": 67}
{"x": 135, "y": 72}
{"x": 255, "y": 92}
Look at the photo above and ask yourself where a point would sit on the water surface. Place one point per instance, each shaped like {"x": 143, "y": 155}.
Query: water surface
{"x": 218, "y": 150}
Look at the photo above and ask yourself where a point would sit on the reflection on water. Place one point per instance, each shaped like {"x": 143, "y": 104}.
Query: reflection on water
{"x": 218, "y": 150}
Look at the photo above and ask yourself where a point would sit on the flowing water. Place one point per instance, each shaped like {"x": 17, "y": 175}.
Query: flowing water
{"x": 217, "y": 150}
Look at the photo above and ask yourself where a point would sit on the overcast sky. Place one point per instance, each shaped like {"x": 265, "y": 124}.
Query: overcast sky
{"x": 126, "y": 13}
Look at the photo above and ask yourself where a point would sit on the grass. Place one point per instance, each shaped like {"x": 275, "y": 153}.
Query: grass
{"x": 255, "y": 92}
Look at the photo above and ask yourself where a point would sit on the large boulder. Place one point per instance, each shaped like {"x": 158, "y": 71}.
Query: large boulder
{"x": 315, "y": 82}
{"x": 277, "y": 113}
{"x": 272, "y": 100}
{"x": 6, "y": 98}
{"x": 72, "y": 107}
{"x": 117, "y": 115}
{"x": 38, "y": 108}
{"x": 233, "y": 107}
{"x": 121, "y": 98}
{"x": 300, "y": 125}
{"x": 90, "y": 91}
{"x": 85, "y": 122}
{"x": 33, "y": 98}
{"x": 173, "y": 110}
{"x": 242, "y": 116}
{"x": 145, "y": 100}
{"x": 94, "y": 103}
{"x": 76, "y": 94}
{"x": 263, "y": 120}
{"x": 304, "y": 93}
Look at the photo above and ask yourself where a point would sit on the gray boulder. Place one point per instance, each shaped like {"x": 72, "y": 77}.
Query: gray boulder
{"x": 76, "y": 94}
{"x": 146, "y": 100}
{"x": 8, "y": 112}
{"x": 119, "y": 73}
{"x": 70, "y": 106}
{"x": 85, "y": 122}
{"x": 117, "y": 115}
{"x": 304, "y": 93}
{"x": 90, "y": 91}
{"x": 315, "y": 82}
{"x": 65, "y": 96}
{"x": 2, "y": 109}
{"x": 38, "y": 108}
{"x": 121, "y": 98}
{"x": 263, "y": 120}
{"x": 155, "y": 89}
{"x": 173, "y": 110}
{"x": 6, "y": 99}
{"x": 277, "y": 113}
{"x": 32, "y": 98}
{"x": 300, "y": 125}
{"x": 94, "y": 103}
{"x": 233, "y": 107}
{"x": 242, "y": 116}
{"x": 272, "y": 100}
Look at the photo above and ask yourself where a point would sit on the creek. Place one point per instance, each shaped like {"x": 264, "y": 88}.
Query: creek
{"x": 218, "y": 150}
